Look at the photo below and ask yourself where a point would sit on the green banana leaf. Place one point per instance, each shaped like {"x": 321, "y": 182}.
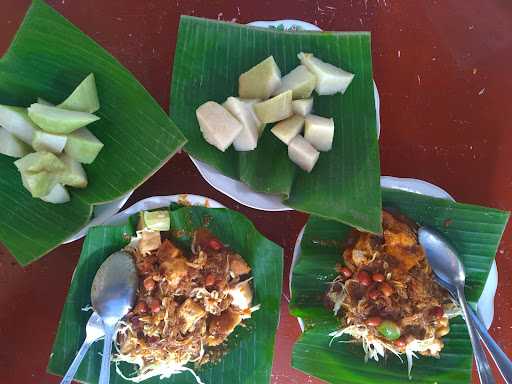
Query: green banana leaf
{"x": 251, "y": 349}
{"x": 475, "y": 232}
{"x": 48, "y": 58}
{"x": 344, "y": 185}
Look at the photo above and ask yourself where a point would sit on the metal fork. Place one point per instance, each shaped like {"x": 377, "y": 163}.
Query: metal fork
{"x": 93, "y": 332}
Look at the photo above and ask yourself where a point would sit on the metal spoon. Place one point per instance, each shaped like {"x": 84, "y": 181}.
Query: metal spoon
{"x": 93, "y": 331}
{"x": 503, "y": 363}
{"x": 501, "y": 360}
{"x": 112, "y": 296}
{"x": 449, "y": 270}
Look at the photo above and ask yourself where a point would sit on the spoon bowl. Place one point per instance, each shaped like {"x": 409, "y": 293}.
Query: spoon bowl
{"x": 442, "y": 256}
{"x": 445, "y": 262}
{"x": 112, "y": 296}
{"x": 114, "y": 287}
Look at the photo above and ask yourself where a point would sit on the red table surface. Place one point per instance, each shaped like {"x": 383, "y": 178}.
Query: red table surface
{"x": 443, "y": 73}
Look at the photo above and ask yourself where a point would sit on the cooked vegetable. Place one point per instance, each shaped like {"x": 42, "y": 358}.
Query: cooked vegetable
{"x": 57, "y": 120}
{"x": 39, "y": 162}
{"x": 250, "y": 104}
{"x": 275, "y": 109}
{"x": 247, "y": 139}
{"x": 188, "y": 304}
{"x": 16, "y": 121}
{"x": 84, "y": 98}
{"x": 218, "y": 126}
{"x": 389, "y": 298}
{"x": 260, "y": 81}
{"x": 302, "y": 153}
{"x": 389, "y": 329}
{"x": 39, "y": 184}
{"x": 329, "y": 79}
{"x": 300, "y": 81}
{"x": 58, "y": 195}
{"x": 10, "y": 145}
{"x": 157, "y": 220}
{"x": 287, "y": 129}
{"x": 319, "y": 131}
{"x": 302, "y": 107}
{"x": 73, "y": 174}
{"x": 83, "y": 146}
{"x": 42, "y": 101}
{"x": 44, "y": 141}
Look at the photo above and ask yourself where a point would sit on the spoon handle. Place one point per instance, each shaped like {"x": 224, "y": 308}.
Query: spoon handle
{"x": 500, "y": 358}
{"x": 68, "y": 377}
{"x": 105, "y": 359}
{"x": 482, "y": 365}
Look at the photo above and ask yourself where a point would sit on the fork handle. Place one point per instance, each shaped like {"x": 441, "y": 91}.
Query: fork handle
{"x": 105, "y": 359}
{"x": 482, "y": 365}
{"x": 500, "y": 358}
{"x": 68, "y": 377}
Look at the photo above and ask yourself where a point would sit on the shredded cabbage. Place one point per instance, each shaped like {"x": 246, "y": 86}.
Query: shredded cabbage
{"x": 375, "y": 348}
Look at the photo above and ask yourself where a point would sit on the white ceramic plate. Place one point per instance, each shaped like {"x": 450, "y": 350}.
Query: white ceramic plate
{"x": 239, "y": 191}
{"x": 156, "y": 202}
{"x": 101, "y": 213}
{"x": 485, "y": 305}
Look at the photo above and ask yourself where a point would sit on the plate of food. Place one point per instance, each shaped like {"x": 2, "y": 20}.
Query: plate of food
{"x": 71, "y": 122}
{"x": 207, "y": 307}
{"x": 296, "y": 111}
{"x": 239, "y": 191}
{"x": 374, "y": 298}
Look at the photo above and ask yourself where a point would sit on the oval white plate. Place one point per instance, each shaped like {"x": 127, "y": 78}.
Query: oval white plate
{"x": 156, "y": 202}
{"x": 239, "y": 191}
{"x": 100, "y": 214}
{"x": 485, "y": 305}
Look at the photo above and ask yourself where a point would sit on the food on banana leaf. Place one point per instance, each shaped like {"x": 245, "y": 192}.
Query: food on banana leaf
{"x": 287, "y": 129}
{"x": 156, "y": 220}
{"x": 300, "y": 81}
{"x": 219, "y": 127}
{"x": 73, "y": 174}
{"x": 10, "y": 145}
{"x": 188, "y": 303}
{"x": 247, "y": 139}
{"x": 242, "y": 121}
{"x": 57, "y": 120}
{"x": 39, "y": 162}
{"x": 58, "y": 195}
{"x": 275, "y": 109}
{"x": 302, "y": 153}
{"x": 302, "y": 107}
{"x": 51, "y": 142}
{"x": 84, "y": 98}
{"x": 329, "y": 78}
{"x": 386, "y": 296}
{"x": 83, "y": 146}
{"x": 16, "y": 121}
{"x": 260, "y": 81}
{"x": 319, "y": 131}
{"x": 50, "y": 130}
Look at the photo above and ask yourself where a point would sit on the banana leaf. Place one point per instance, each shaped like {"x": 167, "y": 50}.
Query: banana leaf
{"x": 48, "y": 58}
{"x": 344, "y": 185}
{"x": 250, "y": 349}
{"x": 475, "y": 232}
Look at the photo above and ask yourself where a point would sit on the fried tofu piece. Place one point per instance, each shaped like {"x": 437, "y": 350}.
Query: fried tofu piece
{"x": 189, "y": 314}
{"x": 401, "y": 243}
{"x": 150, "y": 241}
{"x": 174, "y": 270}
{"x": 237, "y": 265}
{"x": 168, "y": 251}
{"x": 242, "y": 295}
{"x": 222, "y": 326}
